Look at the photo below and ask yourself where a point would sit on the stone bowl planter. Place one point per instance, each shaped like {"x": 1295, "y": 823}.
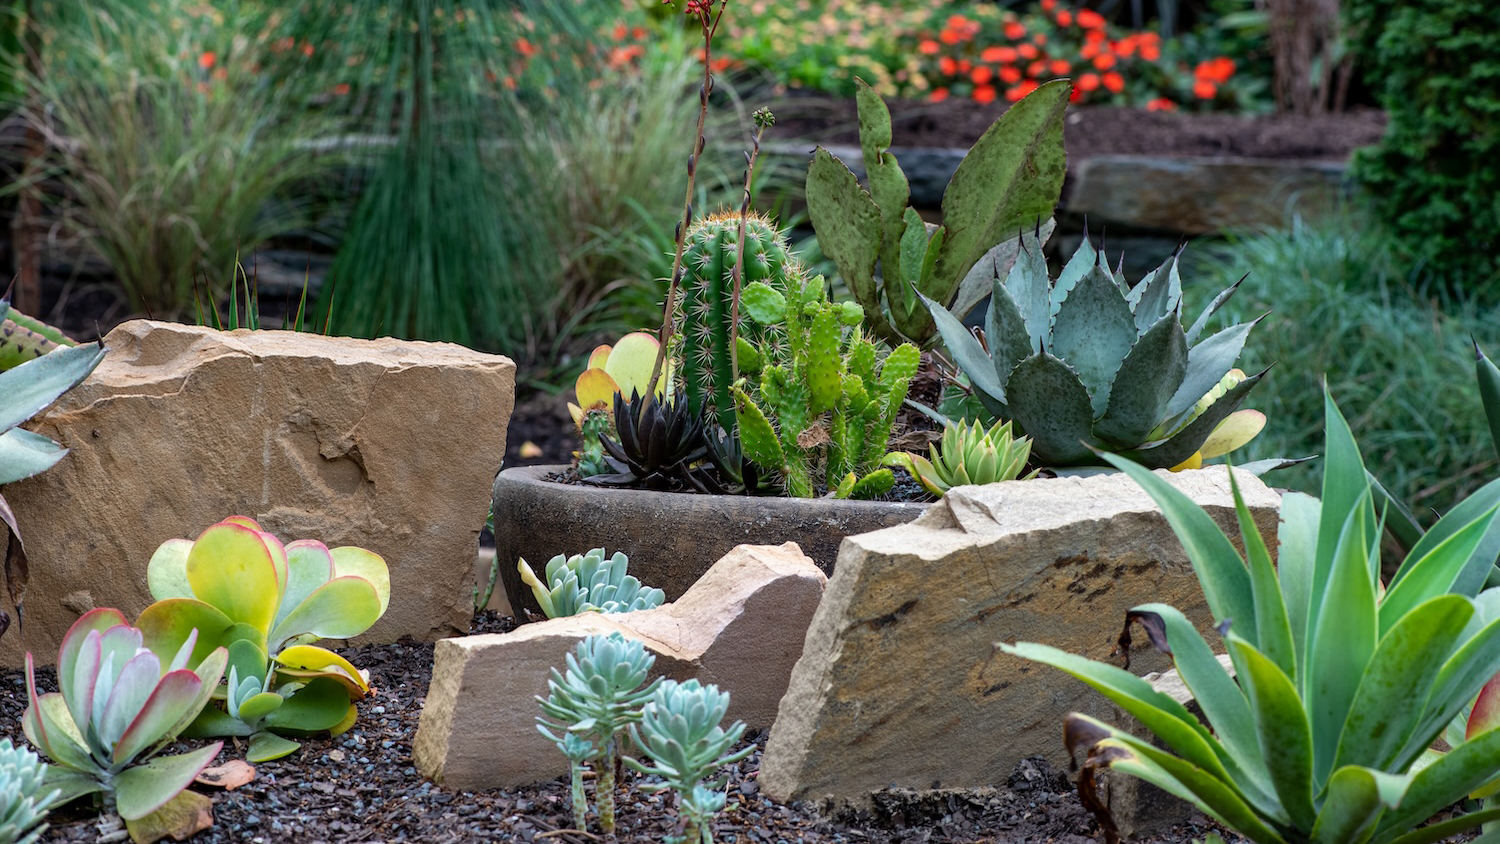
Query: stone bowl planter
{"x": 671, "y": 538}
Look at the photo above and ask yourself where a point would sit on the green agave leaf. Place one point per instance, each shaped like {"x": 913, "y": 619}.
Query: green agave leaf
{"x": 1183, "y": 444}
{"x": 1213, "y": 307}
{"x": 33, "y": 385}
{"x": 1399, "y": 521}
{"x": 995, "y": 267}
{"x": 24, "y": 454}
{"x": 1459, "y": 680}
{"x": 1442, "y": 830}
{"x": 1488, "y": 376}
{"x": 967, "y": 352}
{"x": 1355, "y": 800}
{"x": 1006, "y": 333}
{"x": 1470, "y": 577}
{"x": 142, "y": 789}
{"x": 1146, "y": 382}
{"x": 1397, "y": 682}
{"x": 231, "y": 567}
{"x": 1050, "y": 403}
{"x": 1437, "y": 570}
{"x": 319, "y": 705}
{"x": 1272, "y": 626}
{"x": 1158, "y": 294}
{"x": 1447, "y": 780}
{"x": 1208, "y": 363}
{"x": 342, "y": 608}
{"x": 1345, "y": 488}
{"x": 1029, "y": 286}
{"x": 1220, "y": 569}
{"x": 1282, "y": 728}
{"x": 1085, "y": 258}
{"x": 1093, "y": 332}
{"x": 267, "y": 746}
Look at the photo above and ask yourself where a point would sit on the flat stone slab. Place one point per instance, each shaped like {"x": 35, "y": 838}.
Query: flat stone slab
{"x": 900, "y": 683}
{"x": 741, "y": 627}
{"x": 389, "y": 445}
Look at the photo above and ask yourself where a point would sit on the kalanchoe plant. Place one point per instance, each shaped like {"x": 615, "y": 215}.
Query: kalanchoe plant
{"x": 659, "y": 443}
{"x": 1009, "y": 180}
{"x": 680, "y": 730}
{"x": 588, "y": 583}
{"x": 1341, "y": 683}
{"x": 25, "y": 390}
{"x": 820, "y": 408}
{"x": 968, "y": 453}
{"x": 598, "y": 696}
{"x": 119, "y": 705}
{"x": 242, "y": 590}
{"x": 621, "y": 368}
{"x": 1086, "y": 365}
{"x": 24, "y": 795}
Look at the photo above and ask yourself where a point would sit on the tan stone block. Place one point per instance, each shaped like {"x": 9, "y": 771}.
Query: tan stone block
{"x": 386, "y": 444}
{"x": 900, "y": 683}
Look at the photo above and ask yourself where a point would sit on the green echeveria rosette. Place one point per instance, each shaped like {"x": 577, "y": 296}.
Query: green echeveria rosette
{"x": 24, "y": 795}
{"x": 1087, "y": 364}
{"x": 589, "y": 582}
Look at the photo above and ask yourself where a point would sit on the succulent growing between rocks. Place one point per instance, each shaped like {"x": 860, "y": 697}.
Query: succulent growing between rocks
{"x": 679, "y": 729}
{"x": 968, "y": 454}
{"x": 588, "y": 583}
{"x": 1086, "y": 364}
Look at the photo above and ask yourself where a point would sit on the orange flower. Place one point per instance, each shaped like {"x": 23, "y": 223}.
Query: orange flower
{"x": 981, "y": 74}
{"x": 1088, "y": 50}
{"x": 638, "y": 32}
{"x": 929, "y": 47}
{"x": 947, "y": 65}
{"x": 1037, "y": 69}
{"x": 957, "y": 22}
{"x": 1049, "y": 5}
{"x": 1150, "y": 50}
{"x": 718, "y": 65}
{"x": 341, "y": 89}
{"x": 1059, "y": 67}
{"x": 1064, "y": 18}
{"x": 950, "y": 36}
{"x": 1015, "y": 31}
{"x": 1010, "y": 74}
{"x": 1090, "y": 19}
{"x": 984, "y": 94}
{"x": 207, "y": 60}
{"x": 525, "y": 48}
{"x": 1039, "y": 39}
{"x": 1096, "y": 37}
{"x": 937, "y": 95}
{"x": 1104, "y": 61}
{"x": 1125, "y": 47}
{"x": 621, "y": 30}
{"x": 1088, "y": 82}
{"x": 1161, "y": 104}
{"x": 307, "y": 49}
{"x": 1017, "y": 91}
{"x": 1113, "y": 82}
{"x": 1216, "y": 70}
{"x": 1028, "y": 51}
{"x": 999, "y": 55}
{"x": 963, "y": 65}
{"x": 1205, "y": 90}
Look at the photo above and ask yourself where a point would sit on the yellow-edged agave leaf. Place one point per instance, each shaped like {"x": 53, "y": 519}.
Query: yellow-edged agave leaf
{"x": 1237, "y": 429}
{"x": 166, "y": 573}
{"x": 233, "y": 568}
{"x": 308, "y": 661}
{"x": 166, "y": 625}
{"x": 342, "y": 608}
{"x": 349, "y": 561}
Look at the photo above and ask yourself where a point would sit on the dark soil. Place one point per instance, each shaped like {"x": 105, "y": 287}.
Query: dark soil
{"x": 362, "y": 786}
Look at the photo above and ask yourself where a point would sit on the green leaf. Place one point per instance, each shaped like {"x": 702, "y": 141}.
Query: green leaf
{"x": 166, "y": 624}
{"x": 142, "y": 789}
{"x": 70, "y": 783}
{"x": 1030, "y": 288}
{"x": 266, "y": 746}
{"x": 1296, "y": 558}
{"x": 1436, "y": 571}
{"x": 1208, "y": 363}
{"x": 1460, "y": 678}
{"x": 757, "y": 436}
{"x": 994, "y": 267}
{"x": 317, "y": 706}
{"x": 1085, "y": 259}
{"x": 763, "y": 303}
{"x": 342, "y": 608}
{"x": 33, "y": 385}
{"x": 1158, "y": 294}
{"x": 1488, "y": 376}
{"x": 1472, "y": 573}
{"x": 169, "y": 704}
{"x": 1445, "y": 781}
{"x": 848, "y": 224}
{"x": 1093, "y": 332}
{"x": 1345, "y": 488}
{"x": 825, "y": 372}
{"x": 231, "y": 567}
{"x": 1183, "y": 444}
{"x": 258, "y": 706}
{"x": 1145, "y": 383}
{"x": 1353, "y": 804}
{"x": 1218, "y": 302}
{"x": 913, "y": 252}
{"x": 967, "y": 353}
{"x": 24, "y": 454}
{"x": 1050, "y": 403}
{"x": 1272, "y": 627}
{"x": 166, "y": 572}
{"x": 1283, "y": 731}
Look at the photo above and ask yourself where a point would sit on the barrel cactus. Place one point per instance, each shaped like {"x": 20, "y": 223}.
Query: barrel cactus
{"x": 1087, "y": 364}
{"x": 710, "y": 251}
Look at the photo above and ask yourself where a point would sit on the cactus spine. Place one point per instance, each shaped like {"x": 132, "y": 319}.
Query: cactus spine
{"x": 712, "y": 245}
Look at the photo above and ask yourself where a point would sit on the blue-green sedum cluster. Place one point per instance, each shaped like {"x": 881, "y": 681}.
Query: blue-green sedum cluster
{"x": 589, "y": 583}
{"x": 24, "y": 797}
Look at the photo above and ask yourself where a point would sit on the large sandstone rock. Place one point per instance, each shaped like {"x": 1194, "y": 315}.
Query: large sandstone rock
{"x": 900, "y": 683}
{"x": 740, "y": 627}
{"x": 386, "y": 444}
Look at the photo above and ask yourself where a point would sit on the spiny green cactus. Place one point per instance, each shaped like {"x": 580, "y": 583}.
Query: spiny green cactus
{"x": 968, "y": 454}
{"x": 1086, "y": 364}
{"x": 710, "y": 252}
{"x": 1010, "y": 180}
{"x": 589, "y": 583}
{"x": 824, "y": 403}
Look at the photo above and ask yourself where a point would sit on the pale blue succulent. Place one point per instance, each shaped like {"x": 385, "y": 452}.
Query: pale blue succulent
{"x": 24, "y": 797}
{"x": 589, "y": 583}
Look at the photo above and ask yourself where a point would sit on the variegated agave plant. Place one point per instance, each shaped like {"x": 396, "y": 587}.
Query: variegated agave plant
{"x": 1088, "y": 364}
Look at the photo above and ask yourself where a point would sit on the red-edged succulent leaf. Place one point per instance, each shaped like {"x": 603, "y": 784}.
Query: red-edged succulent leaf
{"x": 142, "y": 789}
{"x": 169, "y": 702}
{"x": 42, "y": 723}
{"x": 136, "y": 684}
{"x": 234, "y": 568}
{"x": 99, "y": 620}
{"x": 1486, "y": 713}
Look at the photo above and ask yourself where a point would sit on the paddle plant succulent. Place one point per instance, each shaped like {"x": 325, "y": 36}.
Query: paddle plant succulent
{"x": 25, "y": 389}
{"x": 119, "y": 704}
{"x": 679, "y": 728}
{"x": 968, "y": 453}
{"x": 819, "y": 410}
{"x": 264, "y": 603}
{"x": 1340, "y": 683}
{"x": 624, "y": 367}
{"x": 588, "y": 583}
{"x": 1087, "y": 365}
{"x": 24, "y": 795}
{"x": 1010, "y": 180}
{"x": 590, "y": 705}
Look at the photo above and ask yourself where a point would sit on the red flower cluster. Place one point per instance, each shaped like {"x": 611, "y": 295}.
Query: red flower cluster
{"x": 1209, "y": 75}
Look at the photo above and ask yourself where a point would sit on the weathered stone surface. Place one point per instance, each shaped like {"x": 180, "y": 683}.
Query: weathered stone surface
{"x": 1199, "y": 195}
{"x": 671, "y": 538}
{"x": 741, "y": 627}
{"x": 900, "y": 683}
{"x": 386, "y": 444}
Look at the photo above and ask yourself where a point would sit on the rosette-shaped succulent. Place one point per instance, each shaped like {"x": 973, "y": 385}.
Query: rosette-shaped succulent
{"x": 968, "y": 453}
{"x": 588, "y": 583}
{"x": 24, "y": 795}
{"x": 119, "y": 704}
{"x": 241, "y": 589}
{"x": 659, "y": 440}
{"x": 1088, "y": 363}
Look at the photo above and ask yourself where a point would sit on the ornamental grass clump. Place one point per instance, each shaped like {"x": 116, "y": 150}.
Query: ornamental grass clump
{"x": 1340, "y": 683}
{"x": 587, "y": 709}
{"x": 680, "y": 730}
